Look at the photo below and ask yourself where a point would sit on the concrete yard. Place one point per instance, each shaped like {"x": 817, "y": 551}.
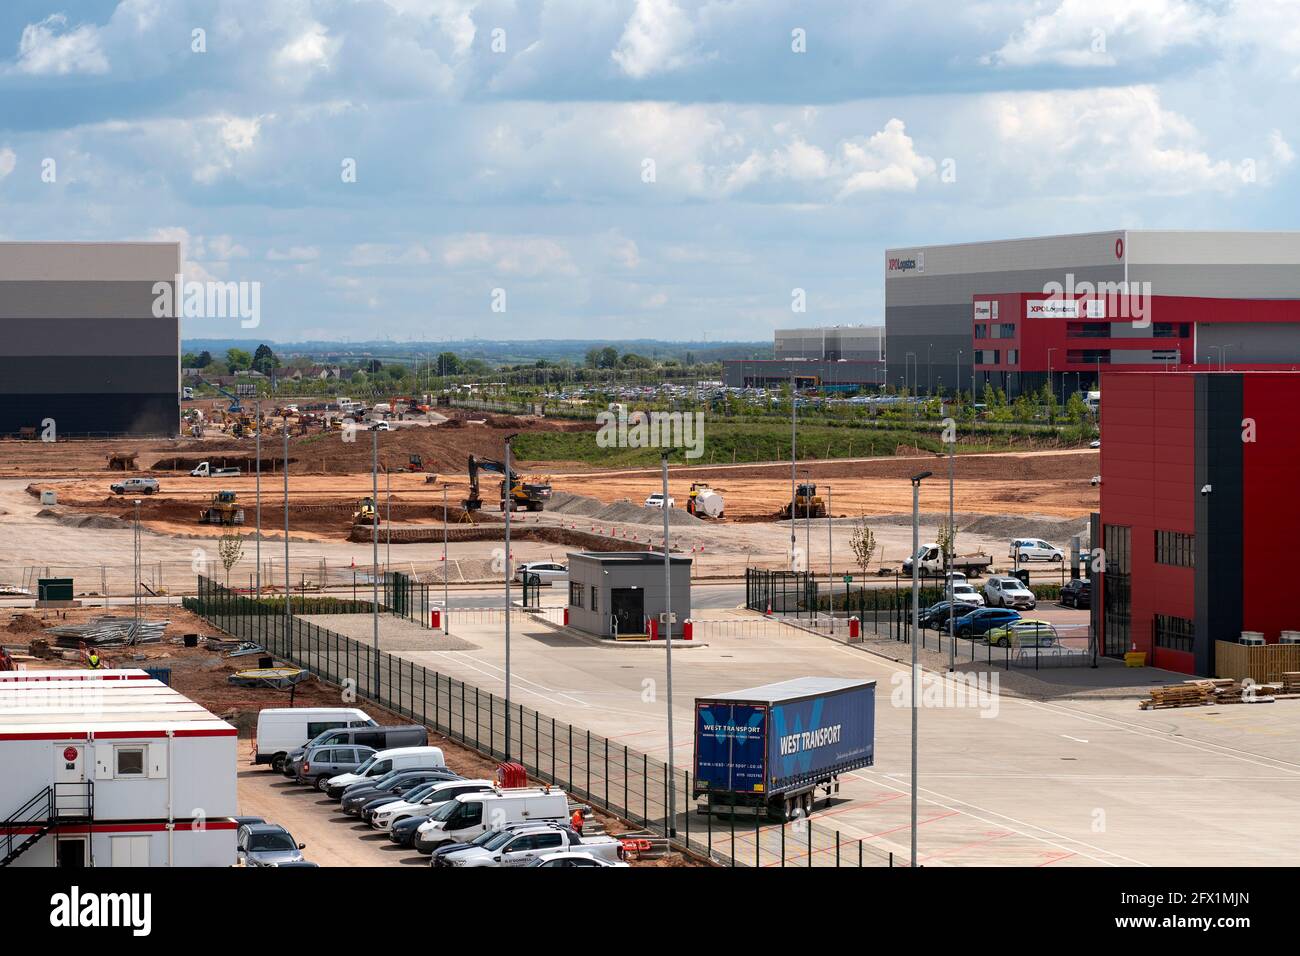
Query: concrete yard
{"x": 1005, "y": 781}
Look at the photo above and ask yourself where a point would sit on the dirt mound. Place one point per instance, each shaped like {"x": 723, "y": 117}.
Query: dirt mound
{"x": 567, "y": 503}
{"x": 81, "y": 520}
{"x": 246, "y": 462}
{"x": 25, "y": 624}
{"x": 1056, "y": 530}
{"x": 625, "y": 511}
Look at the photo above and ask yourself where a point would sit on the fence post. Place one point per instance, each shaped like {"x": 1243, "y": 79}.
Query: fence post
{"x": 733, "y": 828}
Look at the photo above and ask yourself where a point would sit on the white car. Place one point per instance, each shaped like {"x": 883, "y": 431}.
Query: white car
{"x": 422, "y": 800}
{"x": 381, "y": 427}
{"x": 1034, "y": 549}
{"x": 548, "y": 572}
{"x": 657, "y": 501}
{"x": 567, "y": 858}
{"x": 1008, "y": 592}
{"x": 966, "y": 594}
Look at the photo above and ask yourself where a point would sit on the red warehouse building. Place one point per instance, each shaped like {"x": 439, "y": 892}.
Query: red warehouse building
{"x": 1197, "y": 470}
{"x": 1020, "y": 339}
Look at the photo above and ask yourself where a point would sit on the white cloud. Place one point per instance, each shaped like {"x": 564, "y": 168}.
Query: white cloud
{"x": 48, "y": 48}
{"x": 8, "y": 160}
{"x": 511, "y": 255}
{"x": 294, "y": 254}
{"x": 656, "y": 39}
{"x": 313, "y": 49}
{"x": 1100, "y": 33}
{"x": 387, "y": 254}
{"x": 225, "y": 247}
{"x": 1280, "y": 148}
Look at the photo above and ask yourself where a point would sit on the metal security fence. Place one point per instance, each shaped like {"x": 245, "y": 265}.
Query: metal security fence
{"x": 619, "y": 779}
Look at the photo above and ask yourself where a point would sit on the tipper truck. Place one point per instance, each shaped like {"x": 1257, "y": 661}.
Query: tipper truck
{"x": 768, "y": 749}
{"x": 932, "y": 563}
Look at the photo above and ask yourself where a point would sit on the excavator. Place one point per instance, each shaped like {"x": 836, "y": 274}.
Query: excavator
{"x": 807, "y": 503}
{"x": 524, "y": 495}
{"x": 223, "y": 510}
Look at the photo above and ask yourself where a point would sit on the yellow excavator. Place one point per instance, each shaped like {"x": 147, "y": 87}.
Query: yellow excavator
{"x": 807, "y": 503}
{"x": 524, "y": 495}
{"x": 224, "y": 509}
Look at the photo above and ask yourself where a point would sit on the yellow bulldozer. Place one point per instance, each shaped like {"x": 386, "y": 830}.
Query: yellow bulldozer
{"x": 223, "y": 510}
{"x": 807, "y": 503}
{"x": 366, "y": 512}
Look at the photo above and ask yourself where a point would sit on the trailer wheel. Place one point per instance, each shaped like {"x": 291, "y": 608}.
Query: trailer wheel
{"x": 277, "y": 763}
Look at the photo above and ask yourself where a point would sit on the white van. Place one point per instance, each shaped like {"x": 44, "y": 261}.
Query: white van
{"x": 471, "y": 814}
{"x": 386, "y": 761}
{"x": 281, "y": 729}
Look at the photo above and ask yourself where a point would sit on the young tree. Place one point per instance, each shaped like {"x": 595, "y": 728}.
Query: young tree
{"x": 230, "y": 547}
{"x": 238, "y": 359}
{"x": 863, "y": 543}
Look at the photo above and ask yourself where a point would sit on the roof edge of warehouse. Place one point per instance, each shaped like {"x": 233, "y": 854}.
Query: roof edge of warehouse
{"x": 1098, "y": 232}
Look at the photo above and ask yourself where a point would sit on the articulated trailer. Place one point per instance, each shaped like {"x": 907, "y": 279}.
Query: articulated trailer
{"x": 767, "y": 750}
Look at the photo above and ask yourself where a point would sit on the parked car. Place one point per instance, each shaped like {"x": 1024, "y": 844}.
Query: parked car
{"x": 421, "y": 801}
{"x": 967, "y": 594}
{"x": 548, "y": 572}
{"x": 1008, "y": 592}
{"x": 281, "y": 729}
{"x": 524, "y": 846}
{"x": 393, "y": 786}
{"x": 573, "y": 858}
{"x": 381, "y": 427}
{"x": 322, "y": 763}
{"x": 134, "y": 486}
{"x": 486, "y": 836}
{"x": 936, "y": 616}
{"x": 979, "y": 622}
{"x": 1023, "y": 633}
{"x": 470, "y": 814}
{"x": 1034, "y": 549}
{"x": 386, "y": 761}
{"x": 656, "y": 500}
{"x": 1077, "y": 593}
{"x": 376, "y": 738}
{"x": 266, "y": 844}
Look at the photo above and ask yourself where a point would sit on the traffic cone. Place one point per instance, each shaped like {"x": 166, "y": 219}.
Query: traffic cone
{"x": 768, "y": 612}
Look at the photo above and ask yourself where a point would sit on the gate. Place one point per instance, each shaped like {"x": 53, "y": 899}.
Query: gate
{"x": 783, "y": 592}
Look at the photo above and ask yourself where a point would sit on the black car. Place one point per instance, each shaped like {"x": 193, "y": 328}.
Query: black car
{"x": 400, "y": 783}
{"x": 1077, "y": 593}
{"x": 935, "y": 616}
{"x": 403, "y": 831}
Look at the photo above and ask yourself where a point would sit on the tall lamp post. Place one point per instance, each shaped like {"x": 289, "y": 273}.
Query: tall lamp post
{"x": 446, "y": 566}
{"x": 830, "y": 559}
{"x": 374, "y": 545}
{"x": 284, "y": 466}
{"x": 793, "y": 498}
{"x": 671, "y": 827}
{"x": 508, "y": 502}
{"x": 258, "y": 495}
{"x": 916, "y": 629}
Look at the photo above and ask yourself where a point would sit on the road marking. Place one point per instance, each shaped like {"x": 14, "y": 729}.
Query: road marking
{"x": 1078, "y": 740}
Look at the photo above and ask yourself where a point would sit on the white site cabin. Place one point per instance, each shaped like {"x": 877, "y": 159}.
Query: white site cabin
{"x": 112, "y": 768}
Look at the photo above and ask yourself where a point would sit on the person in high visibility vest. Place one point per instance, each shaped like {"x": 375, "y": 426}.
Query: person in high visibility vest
{"x": 92, "y": 661}
{"x": 576, "y": 821}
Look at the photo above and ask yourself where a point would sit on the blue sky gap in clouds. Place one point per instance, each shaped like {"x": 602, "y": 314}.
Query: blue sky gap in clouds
{"x": 506, "y": 145}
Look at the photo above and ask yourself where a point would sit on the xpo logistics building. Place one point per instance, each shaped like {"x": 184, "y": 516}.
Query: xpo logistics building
{"x": 1018, "y": 313}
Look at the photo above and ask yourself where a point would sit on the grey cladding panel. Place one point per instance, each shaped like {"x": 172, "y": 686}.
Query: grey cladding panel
{"x": 70, "y": 375}
{"x": 89, "y": 337}
{"x": 75, "y": 300}
{"x": 962, "y": 288}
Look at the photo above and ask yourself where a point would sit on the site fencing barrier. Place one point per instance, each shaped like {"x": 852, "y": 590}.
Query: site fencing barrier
{"x": 612, "y": 776}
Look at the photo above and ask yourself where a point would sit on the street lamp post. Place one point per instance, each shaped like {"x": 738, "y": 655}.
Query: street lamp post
{"x": 284, "y": 466}
{"x": 508, "y": 502}
{"x": 258, "y": 495}
{"x": 793, "y": 497}
{"x": 830, "y": 559}
{"x": 446, "y": 566}
{"x": 671, "y": 827}
{"x": 374, "y": 546}
{"x": 916, "y": 628}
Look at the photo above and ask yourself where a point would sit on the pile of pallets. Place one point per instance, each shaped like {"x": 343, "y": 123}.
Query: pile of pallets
{"x": 1223, "y": 690}
{"x": 1291, "y": 682}
{"x": 1191, "y": 694}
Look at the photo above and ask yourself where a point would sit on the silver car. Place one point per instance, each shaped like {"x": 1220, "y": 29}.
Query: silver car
{"x": 267, "y": 844}
{"x": 330, "y": 760}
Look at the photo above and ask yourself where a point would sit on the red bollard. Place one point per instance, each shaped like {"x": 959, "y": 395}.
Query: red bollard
{"x": 566, "y": 617}
{"x": 436, "y": 615}
{"x": 853, "y": 627}
{"x": 688, "y": 629}
{"x": 654, "y": 629}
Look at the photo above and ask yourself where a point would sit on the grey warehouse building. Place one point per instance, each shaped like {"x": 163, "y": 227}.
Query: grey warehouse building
{"x": 929, "y": 289}
{"x": 79, "y": 342}
{"x": 617, "y": 592}
{"x": 830, "y": 358}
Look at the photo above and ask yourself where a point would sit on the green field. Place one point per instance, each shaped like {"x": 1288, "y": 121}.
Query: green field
{"x": 727, "y": 442}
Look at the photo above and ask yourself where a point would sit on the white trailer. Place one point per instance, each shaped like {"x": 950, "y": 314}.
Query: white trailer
{"x": 112, "y": 768}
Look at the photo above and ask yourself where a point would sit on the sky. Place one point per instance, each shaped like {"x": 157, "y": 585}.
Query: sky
{"x": 671, "y": 169}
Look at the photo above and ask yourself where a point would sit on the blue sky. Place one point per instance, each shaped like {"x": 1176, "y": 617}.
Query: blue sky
{"x": 508, "y": 146}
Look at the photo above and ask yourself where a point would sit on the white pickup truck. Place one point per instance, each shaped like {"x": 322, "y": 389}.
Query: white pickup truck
{"x": 205, "y": 470}
{"x": 134, "y": 486}
{"x": 932, "y": 562}
{"x": 525, "y": 845}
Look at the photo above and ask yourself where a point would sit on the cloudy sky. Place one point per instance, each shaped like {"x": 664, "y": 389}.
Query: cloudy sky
{"x": 627, "y": 168}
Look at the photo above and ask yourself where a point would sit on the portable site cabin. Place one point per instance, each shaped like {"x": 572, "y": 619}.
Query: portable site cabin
{"x": 112, "y": 768}
{"x": 617, "y": 593}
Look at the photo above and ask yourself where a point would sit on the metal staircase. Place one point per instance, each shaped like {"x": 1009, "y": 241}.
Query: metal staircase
{"x": 54, "y": 806}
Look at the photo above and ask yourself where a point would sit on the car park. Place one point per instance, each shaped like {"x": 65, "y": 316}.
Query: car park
{"x": 422, "y": 801}
{"x": 282, "y": 729}
{"x": 386, "y": 761}
{"x": 522, "y": 847}
{"x": 1008, "y": 592}
{"x": 980, "y": 621}
{"x": 547, "y": 572}
{"x": 376, "y": 738}
{"x": 462, "y": 819}
{"x": 1034, "y": 549}
{"x": 266, "y": 844}
{"x": 571, "y": 858}
{"x": 322, "y": 763}
{"x": 392, "y": 785}
{"x": 1077, "y": 593}
{"x": 1023, "y": 633}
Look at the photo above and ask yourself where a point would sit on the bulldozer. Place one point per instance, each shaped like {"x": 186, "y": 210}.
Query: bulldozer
{"x": 224, "y": 510}
{"x": 807, "y": 503}
{"x": 366, "y": 512}
{"x": 524, "y": 495}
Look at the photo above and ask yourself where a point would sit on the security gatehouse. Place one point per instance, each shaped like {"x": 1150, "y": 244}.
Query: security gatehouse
{"x": 617, "y": 594}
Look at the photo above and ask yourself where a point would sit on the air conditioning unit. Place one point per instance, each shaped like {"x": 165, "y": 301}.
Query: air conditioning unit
{"x": 1252, "y": 637}
{"x": 1290, "y": 637}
